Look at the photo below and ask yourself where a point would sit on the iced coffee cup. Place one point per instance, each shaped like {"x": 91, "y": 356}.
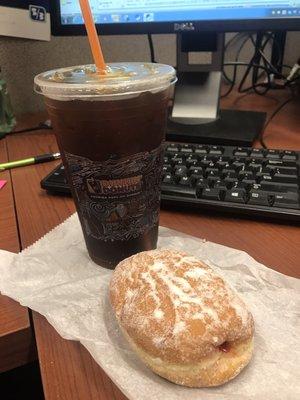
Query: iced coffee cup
{"x": 110, "y": 131}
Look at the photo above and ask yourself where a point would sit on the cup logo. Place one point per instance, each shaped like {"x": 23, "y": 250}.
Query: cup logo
{"x": 118, "y": 199}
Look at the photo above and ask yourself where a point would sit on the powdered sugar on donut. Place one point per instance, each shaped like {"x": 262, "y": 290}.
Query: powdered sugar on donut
{"x": 166, "y": 299}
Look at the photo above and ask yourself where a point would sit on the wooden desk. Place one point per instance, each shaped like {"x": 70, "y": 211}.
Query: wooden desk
{"x": 16, "y": 342}
{"x": 68, "y": 371}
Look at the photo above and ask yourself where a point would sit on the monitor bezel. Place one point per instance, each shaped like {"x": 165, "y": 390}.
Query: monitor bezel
{"x": 286, "y": 24}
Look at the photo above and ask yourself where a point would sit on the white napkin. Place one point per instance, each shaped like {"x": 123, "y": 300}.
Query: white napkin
{"x": 56, "y": 277}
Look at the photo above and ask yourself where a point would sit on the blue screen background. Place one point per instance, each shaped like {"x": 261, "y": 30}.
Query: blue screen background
{"x": 140, "y": 11}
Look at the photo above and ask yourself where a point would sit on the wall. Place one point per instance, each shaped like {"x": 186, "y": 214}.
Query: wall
{"x": 22, "y": 59}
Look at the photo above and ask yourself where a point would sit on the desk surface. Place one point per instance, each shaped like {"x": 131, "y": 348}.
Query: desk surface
{"x": 15, "y": 331}
{"x": 68, "y": 371}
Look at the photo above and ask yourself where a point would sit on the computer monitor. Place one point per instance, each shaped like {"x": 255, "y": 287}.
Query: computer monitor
{"x": 200, "y": 26}
{"x": 168, "y": 16}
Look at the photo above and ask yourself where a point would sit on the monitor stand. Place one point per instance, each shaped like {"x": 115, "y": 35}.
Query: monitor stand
{"x": 196, "y": 116}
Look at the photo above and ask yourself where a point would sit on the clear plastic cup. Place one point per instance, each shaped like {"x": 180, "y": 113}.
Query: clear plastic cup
{"x": 110, "y": 132}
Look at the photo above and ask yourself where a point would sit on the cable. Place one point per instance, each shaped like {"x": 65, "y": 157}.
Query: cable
{"x": 227, "y": 45}
{"x": 259, "y": 65}
{"x": 269, "y": 120}
{"x": 230, "y": 41}
{"x": 151, "y": 48}
{"x": 250, "y": 66}
{"x": 268, "y": 62}
{"x": 254, "y": 64}
{"x": 244, "y": 64}
{"x": 36, "y": 128}
{"x": 233, "y": 80}
{"x": 238, "y": 35}
{"x": 40, "y": 126}
{"x": 260, "y": 88}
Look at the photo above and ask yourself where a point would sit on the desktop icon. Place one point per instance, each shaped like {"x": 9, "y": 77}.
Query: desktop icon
{"x": 148, "y": 17}
{"x": 115, "y": 17}
{"x": 77, "y": 19}
{"x": 105, "y": 18}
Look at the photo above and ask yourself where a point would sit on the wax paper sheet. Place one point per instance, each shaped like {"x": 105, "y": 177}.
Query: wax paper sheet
{"x": 56, "y": 277}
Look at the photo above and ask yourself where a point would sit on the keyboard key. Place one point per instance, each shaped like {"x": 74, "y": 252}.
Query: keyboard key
{"x": 241, "y": 185}
{"x": 185, "y": 181}
{"x": 245, "y": 175}
{"x": 257, "y": 153}
{"x": 201, "y": 184}
{"x": 216, "y": 150}
{"x": 227, "y": 171}
{"x": 238, "y": 166}
{"x": 244, "y": 160}
{"x": 255, "y": 186}
{"x": 180, "y": 171}
{"x": 212, "y": 194}
{"x": 187, "y": 149}
{"x": 281, "y": 170}
{"x": 176, "y": 157}
{"x": 231, "y": 175}
{"x": 287, "y": 200}
{"x": 241, "y": 151}
{"x": 205, "y": 162}
{"x": 223, "y": 158}
{"x": 173, "y": 148}
{"x": 177, "y": 160}
{"x": 167, "y": 168}
{"x": 212, "y": 180}
{"x": 212, "y": 171}
{"x": 281, "y": 163}
{"x": 278, "y": 186}
{"x": 196, "y": 170}
{"x": 273, "y": 154}
{"x": 264, "y": 176}
{"x": 219, "y": 184}
{"x": 248, "y": 182}
{"x": 236, "y": 195}
{"x": 285, "y": 178}
{"x": 255, "y": 167}
{"x": 168, "y": 179}
{"x": 191, "y": 161}
{"x": 201, "y": 149}
{"x": 289, "y": 156}
{"x": 195, "y": 178}
{"x": 178, "y": 190}
{"x": 212, "y": 159}
{"x": 221, "y": 164}
{"x": 260, "y": 198}
{"x": 229, "y": 182}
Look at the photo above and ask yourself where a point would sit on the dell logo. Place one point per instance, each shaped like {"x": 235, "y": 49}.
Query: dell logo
{"x": 184, "y": 26}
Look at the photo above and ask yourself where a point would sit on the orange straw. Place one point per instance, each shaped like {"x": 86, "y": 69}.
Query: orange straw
{"x": 93, "y": 36}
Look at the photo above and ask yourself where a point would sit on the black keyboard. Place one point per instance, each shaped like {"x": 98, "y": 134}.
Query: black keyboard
{"x": 256, "y": 182}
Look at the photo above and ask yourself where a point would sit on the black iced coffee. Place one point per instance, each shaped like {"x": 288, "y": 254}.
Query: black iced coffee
{"x": 110, "y": 132}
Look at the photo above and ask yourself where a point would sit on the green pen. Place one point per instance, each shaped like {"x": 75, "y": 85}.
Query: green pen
{"x": 29, "y": 161}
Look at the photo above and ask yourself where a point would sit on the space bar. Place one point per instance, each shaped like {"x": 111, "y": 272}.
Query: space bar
{"x": 177, "y": 190}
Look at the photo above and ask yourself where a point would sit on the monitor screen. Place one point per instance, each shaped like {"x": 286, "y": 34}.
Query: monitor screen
{"x": 160, "y": 11}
